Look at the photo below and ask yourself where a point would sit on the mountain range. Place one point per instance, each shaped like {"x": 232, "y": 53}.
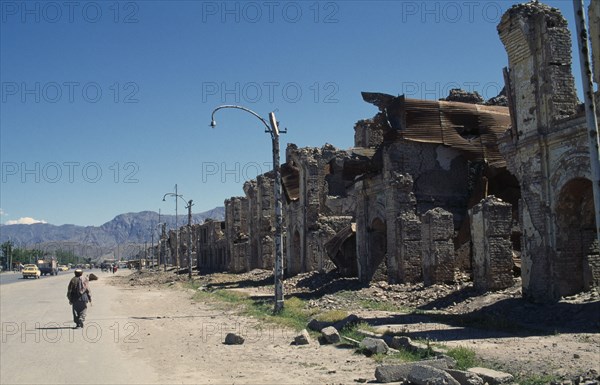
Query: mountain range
{"x": 125, "y": 230}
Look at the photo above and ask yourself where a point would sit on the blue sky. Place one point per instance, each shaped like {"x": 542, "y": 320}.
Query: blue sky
{"x": 106, "y": 105}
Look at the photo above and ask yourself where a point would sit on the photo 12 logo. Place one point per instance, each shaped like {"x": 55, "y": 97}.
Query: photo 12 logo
{"x": 55, "y": 12}
{"x": 440, "y": 90}
{"x": 70, "y": 172}
{"x": 253, "y": 12}
{"x": 269, "y": 91}
{"x": 53, "y": 332}
{"x": 249, "y": 333}
{"x": 233, "y": 172}
{"x": 451, "y": 11}
{"x": 69, "y": 92}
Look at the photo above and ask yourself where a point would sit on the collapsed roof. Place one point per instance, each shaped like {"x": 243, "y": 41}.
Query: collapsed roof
{"x": 473, "y": 129}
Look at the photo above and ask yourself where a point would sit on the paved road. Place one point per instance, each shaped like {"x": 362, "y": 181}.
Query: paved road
{"x": 39, "y": 346}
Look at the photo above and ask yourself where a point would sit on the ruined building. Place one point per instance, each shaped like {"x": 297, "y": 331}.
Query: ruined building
{"x": 236, "y": 233}
{"x": 547, "y": 150}
{"x": 318, "y": 205}
{"x": 210, "y": 251}
{"x": 431, "y": 187}
{"x": 428, "y": 155}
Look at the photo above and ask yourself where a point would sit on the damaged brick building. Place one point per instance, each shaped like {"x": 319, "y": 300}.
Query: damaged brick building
{"x": 431, "y": 187}
{"x": 547, "y": 150}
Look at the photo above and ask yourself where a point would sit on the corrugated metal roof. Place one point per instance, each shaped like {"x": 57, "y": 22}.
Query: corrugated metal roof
{"x": 290, "y": 179}
{"x": 471, "y": 128}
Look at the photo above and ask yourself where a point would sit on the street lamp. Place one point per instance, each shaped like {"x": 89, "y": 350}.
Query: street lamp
{"x": 188, "y": 206}
{"x": 273, "y": 130}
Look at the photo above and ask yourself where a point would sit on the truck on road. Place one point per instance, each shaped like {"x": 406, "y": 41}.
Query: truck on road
{"x": 48, "y": 265}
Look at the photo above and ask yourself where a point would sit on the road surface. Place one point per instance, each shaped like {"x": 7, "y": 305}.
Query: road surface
{"x": 39, "y": 345}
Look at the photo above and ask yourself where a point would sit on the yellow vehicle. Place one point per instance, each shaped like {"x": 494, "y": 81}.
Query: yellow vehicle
{"x": 31, "y": 271}
{"x": 63, "y": 267}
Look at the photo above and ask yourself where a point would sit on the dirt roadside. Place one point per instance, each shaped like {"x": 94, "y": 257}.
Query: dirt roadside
{"x": 184, "y": 339}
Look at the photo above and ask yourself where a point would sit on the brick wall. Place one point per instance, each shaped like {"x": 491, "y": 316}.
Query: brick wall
{"x": 437, "y": 231}
{"x": 491, "y": 224}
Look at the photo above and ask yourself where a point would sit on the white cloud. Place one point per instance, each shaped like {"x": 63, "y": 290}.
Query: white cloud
{"x": 24, "y": 221}
{"x": 2, "y": 212}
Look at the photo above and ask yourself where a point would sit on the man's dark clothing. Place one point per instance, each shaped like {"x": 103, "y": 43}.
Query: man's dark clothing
{"x": 79, "y": 295}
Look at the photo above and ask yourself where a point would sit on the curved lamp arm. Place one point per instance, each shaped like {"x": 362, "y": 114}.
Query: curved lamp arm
{"x": 176, "y": 195}
{"x": 213, "y": 122}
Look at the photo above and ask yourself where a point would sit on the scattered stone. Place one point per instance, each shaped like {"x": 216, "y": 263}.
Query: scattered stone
{"x": 465, "y": 378}
{"x": 233, "y": 339}
{"x": 396, "y": 373}
{"x": 427, "y": 375}
{"x": 303, "y": 338}
{"x": 351, "y": 319}
{"x": 492, "y": 377}
{"x": 374, "y": 345}
{"x": 331, "y": 335}
{"x": 316, "y": 325}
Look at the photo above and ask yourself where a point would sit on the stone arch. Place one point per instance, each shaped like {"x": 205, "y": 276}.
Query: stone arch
{"x": 575, "y": 234}
{"x": 377, "y": 269}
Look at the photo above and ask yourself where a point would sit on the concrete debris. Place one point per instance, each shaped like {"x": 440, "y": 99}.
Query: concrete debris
{"x": 233, "y": 339}
{"x": 401, "y": 372}
{"x": 330, "y": 335}
{"x": 303, "y": 338}
{"x": 492, "y": 377}
{"x": 373, "y": 346}
{"x": 465, "y": 378}
{"x": 427, "y": 375}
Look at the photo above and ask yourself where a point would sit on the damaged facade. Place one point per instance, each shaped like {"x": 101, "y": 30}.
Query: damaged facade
{"x": 319, "y": 206}
{"x": 431, "y": 187}
{"x": 547, "y": 150}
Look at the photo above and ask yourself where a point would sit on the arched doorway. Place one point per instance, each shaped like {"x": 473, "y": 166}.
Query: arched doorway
{"x": 377, "y": 251}
{"x": 576, "y": 231}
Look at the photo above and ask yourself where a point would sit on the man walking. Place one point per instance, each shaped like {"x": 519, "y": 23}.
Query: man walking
{"x": 79, "y": 295}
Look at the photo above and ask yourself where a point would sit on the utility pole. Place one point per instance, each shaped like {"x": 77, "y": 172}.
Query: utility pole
{"x": 278, "y": 218}
{"x": 189, "y": 249}
{"x": 163, "y": 236}
{"x": 590, "y": 106}
{"x": 176, "y": 231}
{"x": 273, "y": 130}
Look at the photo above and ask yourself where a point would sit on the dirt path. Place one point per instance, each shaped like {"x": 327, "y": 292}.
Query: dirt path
{"x": 183, "y": 341}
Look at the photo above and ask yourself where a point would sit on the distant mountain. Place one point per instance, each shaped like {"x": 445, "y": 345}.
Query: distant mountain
{"x": 94, "y": 241}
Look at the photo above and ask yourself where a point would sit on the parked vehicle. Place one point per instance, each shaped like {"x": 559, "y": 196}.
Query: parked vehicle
{"x": 48, "y": 265}
{"x": 31, "y": 270}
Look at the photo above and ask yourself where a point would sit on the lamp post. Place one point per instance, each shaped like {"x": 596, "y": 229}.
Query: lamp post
{"x": 590, "y": 107}
{"x": 176, "y": 226}
{"x": 188, "y": 206}
{"x": 273, "y": 130}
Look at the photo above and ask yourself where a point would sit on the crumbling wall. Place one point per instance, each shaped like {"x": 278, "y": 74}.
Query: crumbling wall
{"x": 236, "y": 233}
{"x": 491, "y": 225}
{"x": 261, "y": 222}
{"x": 367, "y": 134}
{"x": 311, "y": 204}
{"x": 437, "y": 231}
{"x": 547, "y": 145}
{"x": 266, "y": 222}
{"x": 211, "y": 246}
{"x": 388, "y": 232}
{"x": 440, "y": 174}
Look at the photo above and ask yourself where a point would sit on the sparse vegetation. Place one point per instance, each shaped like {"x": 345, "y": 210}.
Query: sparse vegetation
{"x": 294, "y": 315}
{"x": 332, "y": 316}
{"x": 537, "y": 380}
{"x": 465, "y": 357}
{"x": 353, "y": 331}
